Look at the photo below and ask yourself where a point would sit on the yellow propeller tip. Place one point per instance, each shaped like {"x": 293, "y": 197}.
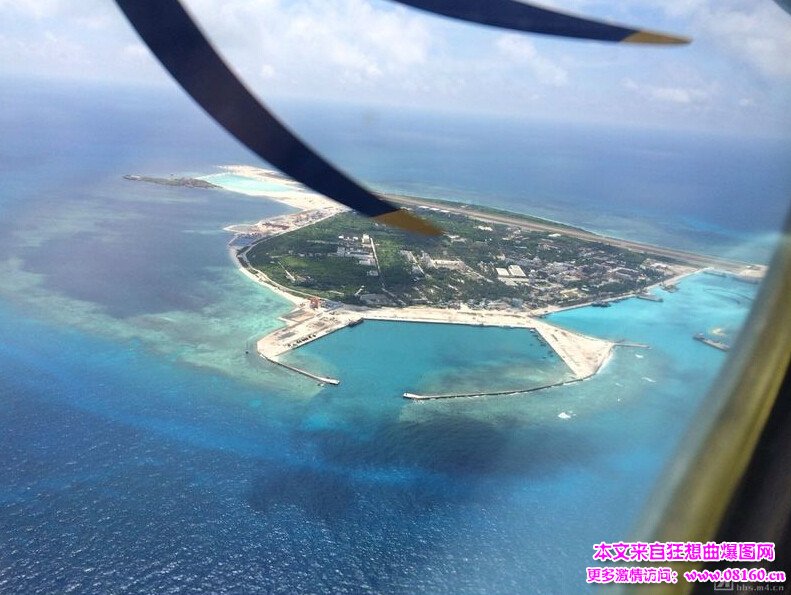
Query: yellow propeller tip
{"x": 405, "y": 220}
{"x": 655, "y": 38}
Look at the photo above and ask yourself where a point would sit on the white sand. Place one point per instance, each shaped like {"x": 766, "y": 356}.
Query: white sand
{"x": 295, "y": 195}
{"x": 259, "y": 277}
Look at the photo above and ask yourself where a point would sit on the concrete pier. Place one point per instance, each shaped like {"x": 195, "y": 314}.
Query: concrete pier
{"x": 631, "y": 344}
{"x": 316, "y": 377}
{"x": 418, "y": 397}
{"x": 711, "y": 342}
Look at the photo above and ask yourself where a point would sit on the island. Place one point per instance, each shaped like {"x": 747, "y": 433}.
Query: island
{"x": 172, "y": 181}
{"x": 489, "y": 268}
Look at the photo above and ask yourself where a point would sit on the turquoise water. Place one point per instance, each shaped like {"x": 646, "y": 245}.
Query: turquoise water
{"x": 352, "y": 488}
{"x": 542, "y": 488}
{"x": 433, "y": 358}
{"x": 237, "y": 183}
{"x": 144, "y": 451}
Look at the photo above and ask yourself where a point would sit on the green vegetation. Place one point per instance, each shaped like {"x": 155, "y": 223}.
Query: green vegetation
{"x": 187, "y": 182}
{"x": 355, "y": 260}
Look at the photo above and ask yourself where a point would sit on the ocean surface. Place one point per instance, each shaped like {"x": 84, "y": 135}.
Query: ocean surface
{"x": 144, "y": 451}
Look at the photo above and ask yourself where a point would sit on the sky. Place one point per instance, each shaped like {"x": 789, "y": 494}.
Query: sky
{"x": 735, "y": 77}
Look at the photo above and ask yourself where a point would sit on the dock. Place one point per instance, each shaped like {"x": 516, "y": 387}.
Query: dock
{"x": 316, "y": 377}
{"x": 711, "y": 342}
{"x": 752, "y": 275}
{"x": 632, "y": 344}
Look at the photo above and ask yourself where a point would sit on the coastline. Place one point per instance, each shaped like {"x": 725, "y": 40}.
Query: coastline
{"x": 291, "y": 193}
{"x": 541, "y": 312}
{"x": 584, "y": 356}
{"x": 262, "y": 279}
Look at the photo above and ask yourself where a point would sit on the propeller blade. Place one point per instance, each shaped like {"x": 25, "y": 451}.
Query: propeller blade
{"x": 510, "y": 14}
{"x": 785, "y": 5}
{"x": 183, "y": 50}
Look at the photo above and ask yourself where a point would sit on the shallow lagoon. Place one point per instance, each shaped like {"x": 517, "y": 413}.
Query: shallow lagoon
{"x": 243, "y": 185}
{"x": 434, "y": 358}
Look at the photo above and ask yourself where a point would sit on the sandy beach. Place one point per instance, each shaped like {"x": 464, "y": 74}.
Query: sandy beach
{"x": 241, "y": 261}
{"x": 293, "y": 194}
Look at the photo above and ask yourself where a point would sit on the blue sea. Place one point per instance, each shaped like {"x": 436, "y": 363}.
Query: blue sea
{"x": 143, "y": 451}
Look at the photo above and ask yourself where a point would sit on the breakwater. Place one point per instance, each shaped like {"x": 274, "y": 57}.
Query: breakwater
{"x": 499, "y": 393}
{"x": 316, "y": 377}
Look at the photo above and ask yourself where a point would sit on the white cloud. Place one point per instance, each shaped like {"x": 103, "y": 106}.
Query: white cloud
{"x": 136, "y": 51}
{"x": 31, "y": 8}
{"x": 56, "y": 51}
{"x": 755, "y": 33}
{"x": 523, "y": 51}
{"x": 88, "y": 12}
{"x": 349, "y": 40}
{"x": 685, "y": 95}
{"x": 377, "y": 51}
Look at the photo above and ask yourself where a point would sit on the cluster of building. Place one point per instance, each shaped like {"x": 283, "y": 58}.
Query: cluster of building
{"x": 426, "y": 262}
{"x": 360, "y": 248}
{"x": 534, "y": 272}
{"x": 515, "y": 270}
{"x": 246, "y": 235}
{"x": 486, "y": 267}
{"x": 591, "y": 273}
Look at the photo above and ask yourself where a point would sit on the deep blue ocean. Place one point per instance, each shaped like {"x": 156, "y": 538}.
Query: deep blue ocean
{"x": 143, "y": 451}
